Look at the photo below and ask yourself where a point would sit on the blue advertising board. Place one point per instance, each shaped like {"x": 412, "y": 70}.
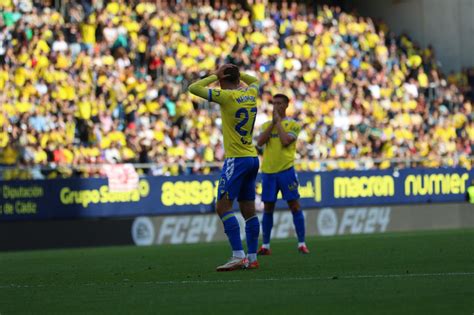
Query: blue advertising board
{"x": 86, "y": 198}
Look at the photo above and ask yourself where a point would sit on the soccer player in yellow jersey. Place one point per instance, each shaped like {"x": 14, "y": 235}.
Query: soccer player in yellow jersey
{"x": 238, "y": 110}
{"x": 278, "y": 174}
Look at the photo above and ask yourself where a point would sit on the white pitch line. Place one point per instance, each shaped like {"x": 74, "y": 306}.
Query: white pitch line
{"x": 350, "y": 277}
{"x": 223, "y": 281}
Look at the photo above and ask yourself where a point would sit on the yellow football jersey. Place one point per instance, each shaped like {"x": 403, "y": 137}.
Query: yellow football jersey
{"x": 276, "y": 157}
{"x": 238, "y": 111}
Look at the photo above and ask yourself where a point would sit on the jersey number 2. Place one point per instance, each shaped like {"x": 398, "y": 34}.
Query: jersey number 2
{"x": 245, "y": 113}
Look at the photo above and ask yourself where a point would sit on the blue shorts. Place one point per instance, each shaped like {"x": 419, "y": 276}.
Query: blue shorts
{"x": 286, "y": 181}
{"x": 238, "y": 178}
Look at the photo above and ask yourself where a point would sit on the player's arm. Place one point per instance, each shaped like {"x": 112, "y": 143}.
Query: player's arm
{"x": 250, "y": 80}
{"x": 286, "y": 138}
{"x": 199, "y": 88}
{"x": 265, "y": 135}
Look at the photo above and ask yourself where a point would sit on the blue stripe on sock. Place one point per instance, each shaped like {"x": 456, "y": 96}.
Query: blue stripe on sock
{"x": 232, "y": 230}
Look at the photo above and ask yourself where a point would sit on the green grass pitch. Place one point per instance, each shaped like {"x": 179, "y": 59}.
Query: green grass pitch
{"x": 398, "y": 273}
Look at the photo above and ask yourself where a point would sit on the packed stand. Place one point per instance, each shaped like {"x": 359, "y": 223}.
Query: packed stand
{"x": 106, "y": 83}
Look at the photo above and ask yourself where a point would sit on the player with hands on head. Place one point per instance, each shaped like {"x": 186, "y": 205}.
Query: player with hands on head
{"x": 238, "y": 106}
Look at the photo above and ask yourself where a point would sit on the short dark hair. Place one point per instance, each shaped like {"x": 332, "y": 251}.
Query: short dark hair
{"x": 233, "y": 75}
{"x": 283, "y": 96}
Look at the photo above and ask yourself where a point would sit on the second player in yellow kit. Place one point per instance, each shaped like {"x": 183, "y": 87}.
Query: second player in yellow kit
{"x": 278, "y": 174}
{"x": 276, "y": 156}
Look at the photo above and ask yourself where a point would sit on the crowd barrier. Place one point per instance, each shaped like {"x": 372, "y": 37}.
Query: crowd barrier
{"x": 92, "y": 198}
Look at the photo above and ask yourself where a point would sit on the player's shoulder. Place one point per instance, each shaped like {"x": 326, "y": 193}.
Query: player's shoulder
{"x": 252, "y": 89}
{"x": 219, "y": 91}
{"x": 217, "y": 94}
{"x": 293, "y": 126}
{"x": 291, "y": 122}
{"x": 245, "y": 90}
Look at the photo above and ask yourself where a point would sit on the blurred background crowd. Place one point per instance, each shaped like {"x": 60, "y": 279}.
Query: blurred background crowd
{"x": 105, "y": 82}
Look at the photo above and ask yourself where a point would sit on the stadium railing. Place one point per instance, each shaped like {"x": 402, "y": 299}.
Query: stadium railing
{"x": 52, "y": 170}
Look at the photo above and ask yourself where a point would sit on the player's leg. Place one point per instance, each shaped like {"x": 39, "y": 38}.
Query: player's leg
{"x": 299, "y": 222}
{"x": 230, "y": 179}
{"x": 267, "y": 225}
{"x": 247, "y": 207}
{"x": 269, "y": 197}
{"x": 231, "y": 226}
{"x": 252, "y": 230}
{"x": 288, "y": 183}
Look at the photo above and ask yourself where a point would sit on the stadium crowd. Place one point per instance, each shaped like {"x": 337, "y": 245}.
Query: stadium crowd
{"x": 106, "y": 81}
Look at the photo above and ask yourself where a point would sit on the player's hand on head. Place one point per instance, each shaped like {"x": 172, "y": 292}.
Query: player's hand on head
{"x": 220, "y": 71}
